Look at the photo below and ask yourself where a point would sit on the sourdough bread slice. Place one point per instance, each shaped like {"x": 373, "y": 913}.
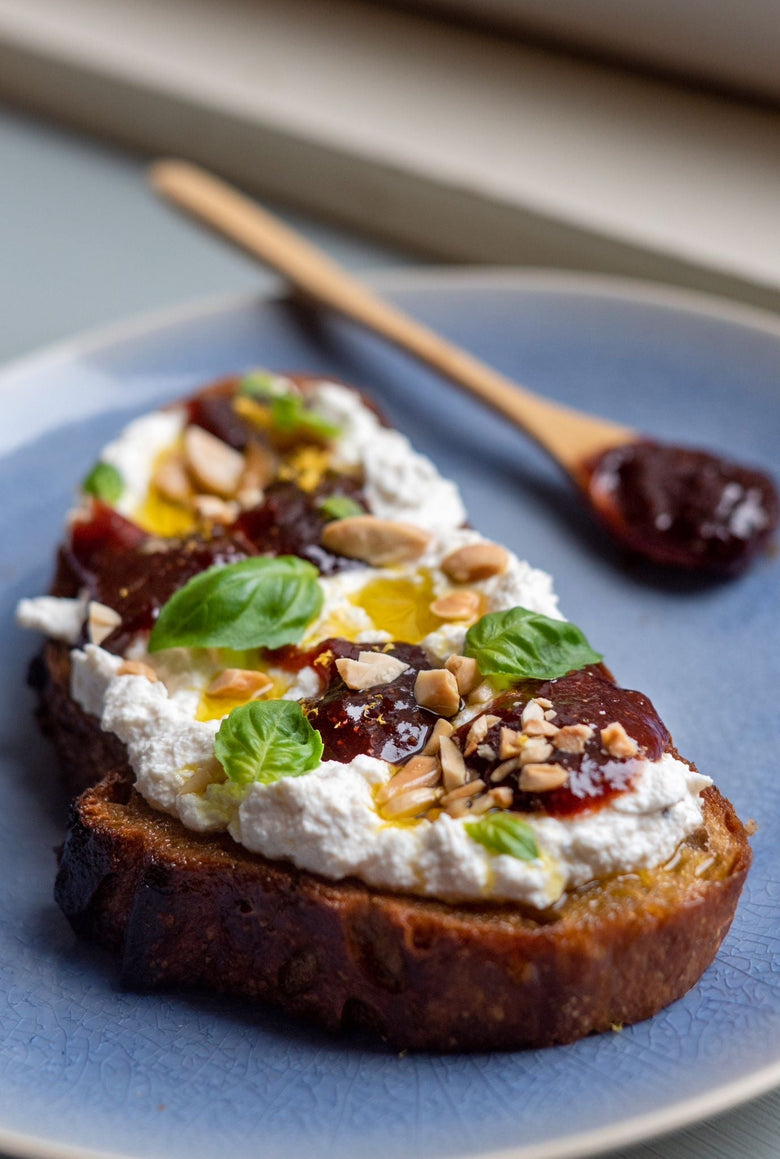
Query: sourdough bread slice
{"x": 183, "y": 909}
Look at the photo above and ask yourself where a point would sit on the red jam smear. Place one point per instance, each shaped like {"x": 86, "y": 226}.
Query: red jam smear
{"x": 212, "y": 409}
{"x": 384, "y": 721}
{"x": 585, "y": 697}
{"x": 290, "y": 521}
{"x": 682, "y": 507}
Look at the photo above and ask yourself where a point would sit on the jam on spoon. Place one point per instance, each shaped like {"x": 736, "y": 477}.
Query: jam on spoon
{"x": 681, "y": 507}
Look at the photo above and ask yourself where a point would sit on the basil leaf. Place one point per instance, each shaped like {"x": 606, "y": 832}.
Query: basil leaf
{"x": 266, "y": 740}
{"x": 258, "y": 602}
{"x": 288, "y": 413}
{"x": 104, "y": 482}
{"x": 263, "y": 384}
{"x": 525, "y": 644}
{"x": 340, "y": 507}
{"x": 504, "y": 833}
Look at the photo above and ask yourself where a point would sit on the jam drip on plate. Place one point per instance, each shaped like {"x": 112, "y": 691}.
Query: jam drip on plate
{"x": 384, "y": 721}
{"x": 683, "y": 507}
{"x": 586, "y": 697}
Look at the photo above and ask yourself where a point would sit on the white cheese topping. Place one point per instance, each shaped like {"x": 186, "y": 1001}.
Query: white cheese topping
{"x": 327, "y": 820}
{"x": 135, "y": 451}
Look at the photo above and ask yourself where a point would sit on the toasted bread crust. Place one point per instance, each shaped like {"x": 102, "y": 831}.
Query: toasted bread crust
{"x": 184, "y": 909}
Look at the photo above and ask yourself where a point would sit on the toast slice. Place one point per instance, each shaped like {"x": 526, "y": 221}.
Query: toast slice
{"x": 188, "y": 910}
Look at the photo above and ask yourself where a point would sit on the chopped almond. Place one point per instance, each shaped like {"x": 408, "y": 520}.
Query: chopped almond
{"x": 617, "y": 742}
{"x": 442, "y": 728}
{"x": 137, "y": 668}
{"x": 572, "y": 738}
{"x": 457, "y": 606}
{"x": 463, "y": 792}
{"x": 240, "y": 684}
{"x": 512, "y": 743}
{"x": 465, "y": 671}
{"x": 501, "y": 798}
{"x": 212, "y": 509}
{"x": 536, "y": 749}
{"x": 437, "y": 690}
{"x": 543, "y": 778}
{"x": 539, "y": 728}
{"x": 482, "y": 693}
{"x": 215, "y": 466}
{"x": 476, "y": 561}
{"x": 410, "y": 804}
{"x": 172, "y": 481}
{"x": 370, "y": 669}
{"x": 532, "y": 711}
{"x": 478, "y": 732}
{"x": 505, "y": 768}
{"x": 453, "y": 767}
{"x": 380, "y": 542}
{"x": 419, "y": 772}
{"x": 101, "y": 622}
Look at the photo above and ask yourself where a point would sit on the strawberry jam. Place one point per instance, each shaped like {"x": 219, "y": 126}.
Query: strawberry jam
{"x": 683, "y": 507}
{"x": 585, "y": 697}
{"x": 384, "y": 721}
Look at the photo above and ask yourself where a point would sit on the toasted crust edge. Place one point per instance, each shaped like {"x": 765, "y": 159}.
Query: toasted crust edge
{"x": 187, "y": 910}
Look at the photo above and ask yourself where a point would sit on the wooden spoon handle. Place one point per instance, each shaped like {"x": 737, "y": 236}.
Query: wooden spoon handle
{"x": 568, "y": 435}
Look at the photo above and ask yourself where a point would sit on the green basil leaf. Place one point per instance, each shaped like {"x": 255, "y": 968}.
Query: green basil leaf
{"x": 340, "y": 507}
{"x": 504, "y": 833}
{"x": 259, "y": 602}
{"x": 262, "y": 384}
{"x": 104, "y": 482}
{"x": 289, "y": 414}
{"x": 266, "y": 740}
{"x": 527, "y": 645}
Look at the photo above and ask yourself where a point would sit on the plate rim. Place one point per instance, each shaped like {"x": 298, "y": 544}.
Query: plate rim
{"x": 639, "y": 1128}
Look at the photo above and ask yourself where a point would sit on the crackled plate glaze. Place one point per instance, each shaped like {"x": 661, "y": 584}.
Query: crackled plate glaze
{"x": 87, "y": 1068}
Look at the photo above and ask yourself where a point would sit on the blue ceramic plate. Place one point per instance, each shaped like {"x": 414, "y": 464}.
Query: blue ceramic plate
{"x": 88, "y": 1068}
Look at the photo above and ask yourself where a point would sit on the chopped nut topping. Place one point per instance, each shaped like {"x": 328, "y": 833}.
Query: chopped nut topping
{"x": 369, "y": 669}
{"x": 215, "y": 466}
{"x": 478, "y": 732}
{"x": 212, "y": 509}
{"x": 411, "y": 803}
{"x": 481, "y": 805}
{"x": 549, "y": 713}
{"x": 542, "y": 778}
{"x": 259, "y": 467}
{"x": 453, "y": 766}
{"x": 537, "y": 749}
{"x": 512, "y": 743}
{"x": 442, "y": 728}
{"x": 457, "y": 606}
{"x": 532, "y": 711}
{"x": 419, "y": 772}
{"x": 437, "y": 690}
{"x": 239, "y": 683}
{"x": 543, "y": 702}
{"x": 137, "y": 668}
{"x": 380, "y": 542}
{"x": 502, "y": 798}
{"x": 617, "y": 742}
{"x": 482, "y": 693}
{"x": 172, "y": 481}
{"x": 101, "y": 621}
{"x": 539, "y": 728}
{"x": 465, "y": 671}
{"x": 486, "y": 751}
{"x": 572, "y": 738}
{"x": 463, "y": 792}
{"x": 505, "y": 768}
{"x": 476, "y": 561}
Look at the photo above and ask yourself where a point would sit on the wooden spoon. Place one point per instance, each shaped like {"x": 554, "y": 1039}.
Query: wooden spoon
{"x": 579, "y": 442}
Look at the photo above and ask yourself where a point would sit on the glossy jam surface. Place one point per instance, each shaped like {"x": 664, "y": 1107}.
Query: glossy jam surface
{"x": 584, "y": 697}
{"x": 384, "y": 721}
{"x": 683, "y": 507}
{"x": 290, "y": 521}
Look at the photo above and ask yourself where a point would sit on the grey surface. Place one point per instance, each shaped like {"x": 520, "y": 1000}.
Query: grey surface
{"x": 83, "y": 244}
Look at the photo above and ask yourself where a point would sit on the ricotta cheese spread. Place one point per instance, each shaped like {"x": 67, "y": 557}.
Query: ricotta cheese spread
{"x": 328, "y": 821}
